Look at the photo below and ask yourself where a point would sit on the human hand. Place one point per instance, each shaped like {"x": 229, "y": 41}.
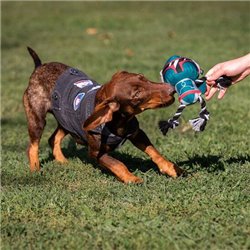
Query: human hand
{"x": 236, "y": 69}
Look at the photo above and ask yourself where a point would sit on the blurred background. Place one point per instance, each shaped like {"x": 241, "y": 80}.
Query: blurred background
{"x": 79, "y": 207}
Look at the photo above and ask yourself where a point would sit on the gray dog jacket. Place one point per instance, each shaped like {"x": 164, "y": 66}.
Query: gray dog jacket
{"x": 73, "y": 101}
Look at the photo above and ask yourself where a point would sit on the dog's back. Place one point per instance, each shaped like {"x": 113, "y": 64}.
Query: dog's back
{"x": 43, "y": 78}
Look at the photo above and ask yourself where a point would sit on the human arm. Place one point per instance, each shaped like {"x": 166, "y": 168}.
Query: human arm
{"x": 237, "y": 69}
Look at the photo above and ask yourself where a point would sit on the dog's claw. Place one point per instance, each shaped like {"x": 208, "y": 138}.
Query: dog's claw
{"x": 172, "y": 171}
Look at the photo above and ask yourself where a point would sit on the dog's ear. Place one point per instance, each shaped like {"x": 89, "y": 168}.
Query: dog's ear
{"x": 103, "y": 113}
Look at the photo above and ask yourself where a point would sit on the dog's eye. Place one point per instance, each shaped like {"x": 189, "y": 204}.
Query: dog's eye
{"x": 137, "y": 94}
{"x": 136, "y": 98}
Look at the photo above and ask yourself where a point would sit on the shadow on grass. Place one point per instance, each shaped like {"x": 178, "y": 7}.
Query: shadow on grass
{"x": 11, "y": 180}
{"x": 209, "y": 163}
{"x": 132, "y": 162}
{"x": 212, "y": 163}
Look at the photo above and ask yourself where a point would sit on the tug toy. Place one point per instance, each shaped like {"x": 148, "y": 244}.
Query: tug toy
{"x": 183, "y": 74}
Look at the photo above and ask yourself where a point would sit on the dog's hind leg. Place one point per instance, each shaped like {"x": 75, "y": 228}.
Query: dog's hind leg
{"x": 36, "y": 123}
{"x": 55, "y": 143}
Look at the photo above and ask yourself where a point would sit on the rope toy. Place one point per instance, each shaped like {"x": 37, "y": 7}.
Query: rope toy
{"x": 183, "y": 73}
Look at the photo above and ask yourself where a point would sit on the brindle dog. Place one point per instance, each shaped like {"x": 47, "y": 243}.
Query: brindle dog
{"x": 115, "y": 106}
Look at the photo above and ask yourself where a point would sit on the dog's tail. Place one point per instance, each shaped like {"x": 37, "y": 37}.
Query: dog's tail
{"x": 35, "y": 57}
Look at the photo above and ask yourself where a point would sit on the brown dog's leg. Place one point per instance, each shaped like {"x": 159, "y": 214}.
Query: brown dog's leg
{"x": 36, "y": 124}
{"x": 55, "y": 143}
{"x": 118, "y": 169}
{"x": 33, "y": 155}
{"x": 141, "y": 141}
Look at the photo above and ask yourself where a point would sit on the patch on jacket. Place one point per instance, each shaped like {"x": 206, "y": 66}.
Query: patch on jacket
{"x": 83, "y": 83}
{"x": 78, "y": 100}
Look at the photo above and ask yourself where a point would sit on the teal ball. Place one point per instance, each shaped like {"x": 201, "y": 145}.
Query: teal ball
{"x": 203, "y": 88}
{"x": 187, "y": 91}
{"x": 175, "y": 72}
{"x": 189, "y": 99}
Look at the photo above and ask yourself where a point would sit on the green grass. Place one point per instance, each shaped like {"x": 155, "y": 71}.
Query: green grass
{"x": 79, "y": 206}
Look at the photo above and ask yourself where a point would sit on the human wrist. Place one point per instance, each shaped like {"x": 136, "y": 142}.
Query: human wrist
{"x": 245, "y": 60}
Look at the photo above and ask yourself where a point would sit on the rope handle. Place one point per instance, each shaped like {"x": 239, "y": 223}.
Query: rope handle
{"x": 222, "y": 82}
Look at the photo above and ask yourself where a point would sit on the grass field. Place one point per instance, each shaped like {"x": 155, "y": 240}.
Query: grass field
{"x": 79, "y": 206}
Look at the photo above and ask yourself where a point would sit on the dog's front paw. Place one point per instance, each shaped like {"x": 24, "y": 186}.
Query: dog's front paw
{"x": 133, "y": 179}
{"x": 62, "y": 160}
{"x": 171, "y": 170}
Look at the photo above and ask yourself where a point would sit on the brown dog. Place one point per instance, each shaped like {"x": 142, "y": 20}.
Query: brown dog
{"x": 108, "y": 122}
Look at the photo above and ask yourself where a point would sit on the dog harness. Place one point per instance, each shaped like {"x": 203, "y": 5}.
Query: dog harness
{"x": 73, "y": 101}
